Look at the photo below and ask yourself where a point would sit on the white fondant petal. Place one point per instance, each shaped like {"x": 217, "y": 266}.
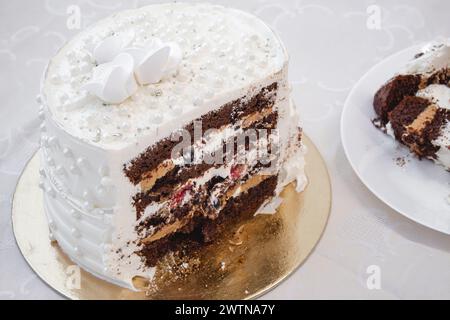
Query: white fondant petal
{"x": 110, "y": 47}
{"x": 137, "y": 53}
{"x": 152, "y": 68}
{"x": 114, "y": 81}
{"x": 174, "y": 58}
{"x": 115, "y": 89}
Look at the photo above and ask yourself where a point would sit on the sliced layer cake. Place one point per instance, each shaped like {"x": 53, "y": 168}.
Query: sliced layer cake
{"x": 414, "y": 106}
{"x": 160, "y": 125}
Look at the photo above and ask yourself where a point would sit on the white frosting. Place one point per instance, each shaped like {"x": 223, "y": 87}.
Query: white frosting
{"x": 434, "y": 56}
{"x": 122, "y": 68}
{"x": 443, "y": 141}
{"x": 439, "y": 94}
{"x": 227, "y": 54}
{"x": 223, "y": 52}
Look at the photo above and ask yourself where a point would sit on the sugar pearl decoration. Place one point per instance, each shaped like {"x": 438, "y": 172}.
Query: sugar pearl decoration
{"x": 176, "y": 110}
{"x": 103, "y": 170}
{"x": 42, "y": 127}
{"x": 41, "y": 114}
{"x": 41, "y": 185}
{"x": 59, "y": 170}
{"x": 67, "y": 153}
{"x": 75, "y": 233}
{"x": 75, "y": 214}
{"x": 42, "y": 172}
{"x": 86, "y": 195}
{"x": 85, "y": 67}
{"x": 73, "y": 169}
{"x": 82, "y": 162}
{"x": 88, "y": 206}
{"x": 77, "y": 251}
{"x": 51, "y": 192}
{"x": 106, "y": 182}
{"x": 51, "y": 236}
{"x": 52, "y": 141}
{"x": 50, "y": 161}
{"x": 101, "y": 191}
{"x": 39, "y": 99}
{"x": 52, "y": 224}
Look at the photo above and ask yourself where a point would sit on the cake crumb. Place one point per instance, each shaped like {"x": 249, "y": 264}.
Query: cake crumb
{"x": 400, "y": 161}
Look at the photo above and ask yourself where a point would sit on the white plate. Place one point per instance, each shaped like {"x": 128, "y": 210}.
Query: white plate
{"x": 419, "y": 190}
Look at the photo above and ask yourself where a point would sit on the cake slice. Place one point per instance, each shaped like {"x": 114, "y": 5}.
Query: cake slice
{"x": 161, "y": 125}
{"x": 414, "y": 106}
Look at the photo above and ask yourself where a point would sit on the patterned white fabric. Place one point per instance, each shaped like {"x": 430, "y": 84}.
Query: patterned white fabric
{"x": 331, "y": 44}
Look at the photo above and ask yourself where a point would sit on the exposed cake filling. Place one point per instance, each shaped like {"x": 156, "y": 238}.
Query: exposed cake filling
{"x": 415, "y": 106}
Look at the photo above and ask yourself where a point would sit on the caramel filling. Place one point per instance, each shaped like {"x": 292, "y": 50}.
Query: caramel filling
{"x": 255, "y": 117}
{"x": 151, "y": 177}
{"x": 423, "y": 119}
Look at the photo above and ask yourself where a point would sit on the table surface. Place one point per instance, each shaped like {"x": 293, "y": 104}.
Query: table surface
{"x": 368, "y": 250}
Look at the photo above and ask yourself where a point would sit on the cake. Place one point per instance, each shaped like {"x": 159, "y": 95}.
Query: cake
{"x": 160, "y": 125}
{"x": 414, "y": 106}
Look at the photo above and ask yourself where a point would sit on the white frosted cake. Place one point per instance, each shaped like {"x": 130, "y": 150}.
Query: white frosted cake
{"x": 414, "y": 106}
{"x": 160, "y": 125}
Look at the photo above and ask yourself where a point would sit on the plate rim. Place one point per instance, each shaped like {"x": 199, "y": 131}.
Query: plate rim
{"x": 355, "y": 88}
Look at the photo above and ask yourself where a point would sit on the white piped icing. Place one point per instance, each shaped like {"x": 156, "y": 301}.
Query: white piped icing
{"x": 226, "y": 55}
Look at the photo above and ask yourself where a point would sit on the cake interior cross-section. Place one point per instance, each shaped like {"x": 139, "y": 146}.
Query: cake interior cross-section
{"x": 162, "y": 125}
{"x": 414, "y": 106}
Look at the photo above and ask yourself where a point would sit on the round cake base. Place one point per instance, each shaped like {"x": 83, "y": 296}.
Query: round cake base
{"x": 250, "y": 259}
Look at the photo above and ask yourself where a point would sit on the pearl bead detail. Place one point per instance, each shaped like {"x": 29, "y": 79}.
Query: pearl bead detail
{"x": 106, "y": 182}
{"x": 103, "y": 170}
{"x": 77, "y": 251}
{"x": 73, "y": 169}
{"x": 75, "y": 233}
{"x": 51, "y": 192}
{"x": 67, "y": 153}
{"x": 59, "y": 170}
{"x": 75, "y": 214}
{"x": 50, "y": 161}
{"x": 88, "y": 206}
{"x": 52, "y": 224}
{"x": 82, "y": 162}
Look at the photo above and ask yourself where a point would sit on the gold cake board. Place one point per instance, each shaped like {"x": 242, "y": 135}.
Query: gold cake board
{"x": 249, "y": 260}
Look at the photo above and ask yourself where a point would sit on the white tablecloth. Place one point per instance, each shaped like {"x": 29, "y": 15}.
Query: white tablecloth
{"x": 331, "y": 44}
